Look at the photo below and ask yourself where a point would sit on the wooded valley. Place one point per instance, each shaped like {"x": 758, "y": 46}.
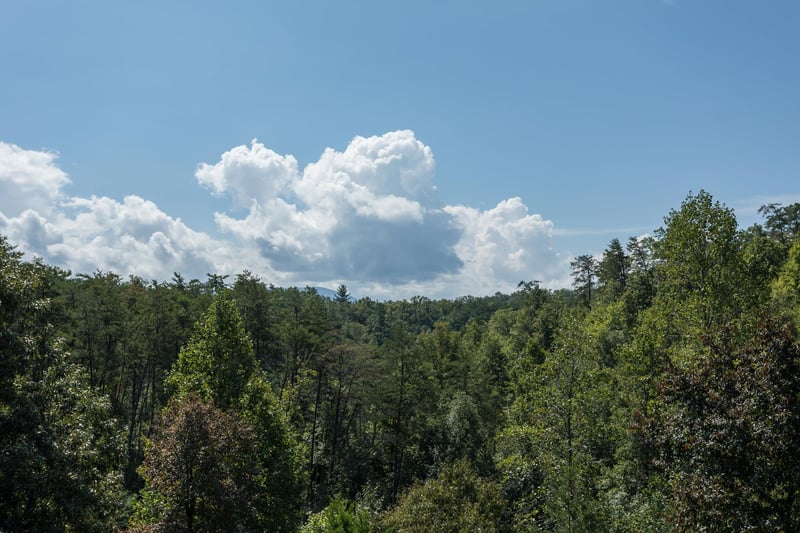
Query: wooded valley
{"x": 660, "y": 393}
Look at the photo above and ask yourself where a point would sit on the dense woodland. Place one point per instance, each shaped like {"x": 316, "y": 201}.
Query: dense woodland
{"x": 660, "y": 393}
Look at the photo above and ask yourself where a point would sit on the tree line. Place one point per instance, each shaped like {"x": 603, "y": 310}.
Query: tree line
{"x": 659, "y": 393}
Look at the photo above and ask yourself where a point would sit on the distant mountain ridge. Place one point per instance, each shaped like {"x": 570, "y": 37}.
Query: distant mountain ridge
{"x": 330, "y": 294}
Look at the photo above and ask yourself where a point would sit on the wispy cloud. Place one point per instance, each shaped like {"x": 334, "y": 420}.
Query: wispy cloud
{"x": 619, "y": 232}
{"x": 747, "y": 208}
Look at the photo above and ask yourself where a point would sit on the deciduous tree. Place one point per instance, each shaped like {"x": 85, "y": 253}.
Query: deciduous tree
{"x": 456, "y": 500}
{"x": 60, "y": 448}
{"x": 725, "y": 434}
{"x": 200, "y": 471}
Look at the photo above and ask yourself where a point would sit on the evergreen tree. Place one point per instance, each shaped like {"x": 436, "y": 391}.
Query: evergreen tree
{"x": 584, "y": 272}
{"x": 612, "y": 271}
{"x": 218, "y": 366}
{"x": 342, "y": 294}
{"x": 218, "y": 359}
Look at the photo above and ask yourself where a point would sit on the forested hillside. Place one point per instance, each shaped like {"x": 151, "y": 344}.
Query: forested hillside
{"x": 660, "y": 393}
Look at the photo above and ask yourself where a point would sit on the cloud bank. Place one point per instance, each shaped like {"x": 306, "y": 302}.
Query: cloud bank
{"x": 369, "y": 216}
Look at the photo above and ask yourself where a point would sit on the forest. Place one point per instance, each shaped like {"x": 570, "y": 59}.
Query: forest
{"x": 661, "y": 392}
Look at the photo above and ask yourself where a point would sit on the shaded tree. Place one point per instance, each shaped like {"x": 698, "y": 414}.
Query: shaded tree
{"x": 782, "y": 222}
{"x": 726, "y": 430}
{"x": 60, "y": 449}
{"x": 258, "y": 309}
{"x": 584, "y": 272}
{"x": 200, "y": 471}
{"x": 218, "y": 365}
{"x": 278, "y": 485}
{"x": 405, "y": 396}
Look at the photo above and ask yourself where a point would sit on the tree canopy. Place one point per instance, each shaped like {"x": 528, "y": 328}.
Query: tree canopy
{"x": 659, "y": 393}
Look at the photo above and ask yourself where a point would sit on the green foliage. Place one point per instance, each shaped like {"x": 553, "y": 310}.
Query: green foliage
{"x": 340, "y": 516}
{"x": 61, "y": 457}
{"x": 463, "y": 430}
{"x": 699, "y": 255}
{"x": 786, "y": 288}
{"x": 345, "y": 385}
{"x": 218, "y": 359}
{"x": 725, "y": 434}
{"x": 127, "y": 335}
{"x": 278, "y": 488}
{"x": 406, "y": 396}
{"x": 200, "y": 471}
{"x": 440, "y": 347}
{"x": 559, "y": 432}
{"x": 218, "y": 365}
{"x": 60, "y": 449}
{"x": 342, "y": 294}
{"x": 305, "y": 331}
{"x": 761, "y": 261}
{"x": 258, "y": 309}
{"x": 654, "y": 396}
{"x": 612, "y": 271}
{"x": 783, "y": 222}
{"x": 640, "y": 286}
{"x": 584, "y": 271}
{"x": 456, "y": 500}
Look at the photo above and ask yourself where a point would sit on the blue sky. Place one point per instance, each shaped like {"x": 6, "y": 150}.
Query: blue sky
{"x": 472, "y": 145}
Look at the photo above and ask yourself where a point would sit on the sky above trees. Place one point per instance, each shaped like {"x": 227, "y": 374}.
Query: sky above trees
{"x": 423, "y": 148}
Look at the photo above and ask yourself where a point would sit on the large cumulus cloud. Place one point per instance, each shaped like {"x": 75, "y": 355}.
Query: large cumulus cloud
{"x": 369, "y": 215}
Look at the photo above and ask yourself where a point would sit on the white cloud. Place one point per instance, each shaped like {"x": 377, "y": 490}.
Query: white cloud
{"x": 368, "y": 215}
{"x": 504, "y": 245}
{"x": 29, "y": 179}
{"x": 576, "y": 232}
{"x": 393, "y": 164}
{"x": 255, "y": 173}
{"x": 85, "y": 234}
{"x": 131, "y": 237}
